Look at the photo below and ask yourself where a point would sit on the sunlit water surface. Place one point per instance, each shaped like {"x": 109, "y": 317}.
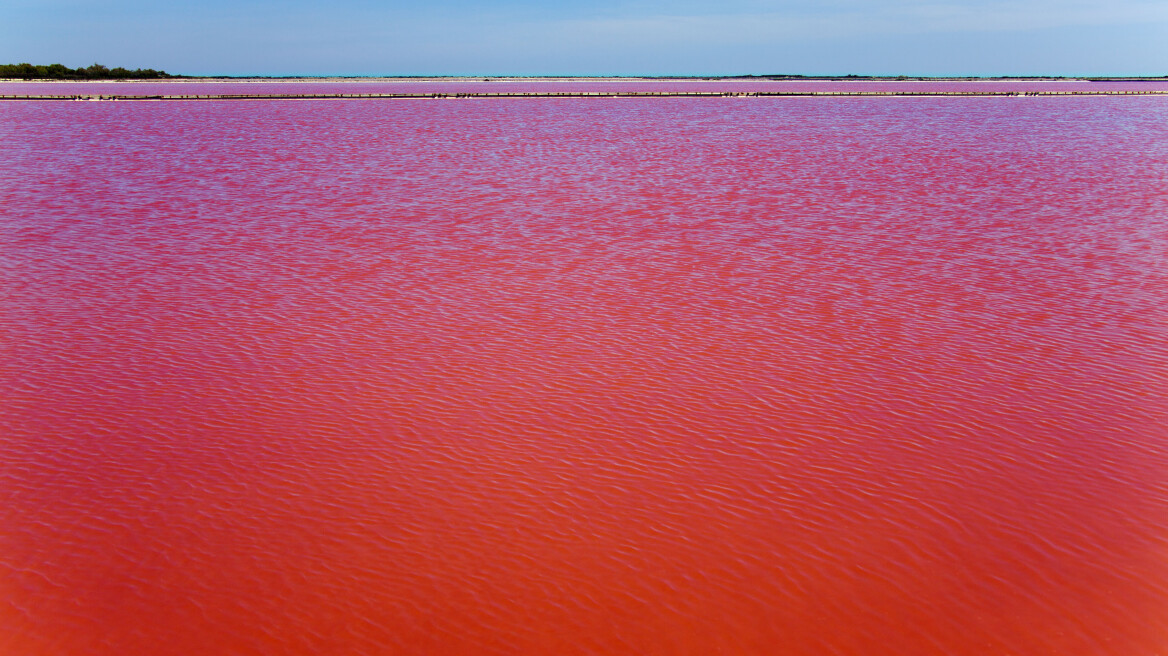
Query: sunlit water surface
{"x": 607, "y": 376}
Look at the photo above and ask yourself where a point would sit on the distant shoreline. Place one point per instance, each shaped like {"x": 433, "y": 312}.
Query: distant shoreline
{"x": 585, "y": 78}
{"x": 586, "y": 94}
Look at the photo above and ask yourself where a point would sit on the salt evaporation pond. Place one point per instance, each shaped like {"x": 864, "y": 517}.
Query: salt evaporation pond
{"x": 585, "y": 376}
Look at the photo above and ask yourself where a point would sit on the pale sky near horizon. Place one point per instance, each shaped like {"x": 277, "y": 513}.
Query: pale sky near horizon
{"x": 594, "y": 37}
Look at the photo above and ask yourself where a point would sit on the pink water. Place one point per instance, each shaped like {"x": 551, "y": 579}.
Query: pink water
{"x": 592, "y": 376}
{"x": 384, "y": 86}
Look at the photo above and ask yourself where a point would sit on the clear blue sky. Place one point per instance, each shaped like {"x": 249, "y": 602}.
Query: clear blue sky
{"x": 594, "y": 37}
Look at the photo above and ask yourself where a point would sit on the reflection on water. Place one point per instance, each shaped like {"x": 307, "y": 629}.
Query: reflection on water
{"x": 793, "y": 376}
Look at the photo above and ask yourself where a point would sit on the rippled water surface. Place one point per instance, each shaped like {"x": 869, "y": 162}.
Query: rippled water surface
{"x": 609, "y": 376}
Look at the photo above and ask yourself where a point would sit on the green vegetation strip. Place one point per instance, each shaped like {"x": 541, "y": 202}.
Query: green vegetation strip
{"x": 26, "y": 71}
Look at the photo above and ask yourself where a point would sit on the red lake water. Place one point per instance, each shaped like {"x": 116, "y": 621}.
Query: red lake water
{"x": 796, "y": 376}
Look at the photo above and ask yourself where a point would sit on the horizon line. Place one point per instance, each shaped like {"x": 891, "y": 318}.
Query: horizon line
{"x": 512, "y": 76}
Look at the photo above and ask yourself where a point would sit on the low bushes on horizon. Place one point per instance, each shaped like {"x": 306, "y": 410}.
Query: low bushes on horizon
{"x": 26, "y": 71}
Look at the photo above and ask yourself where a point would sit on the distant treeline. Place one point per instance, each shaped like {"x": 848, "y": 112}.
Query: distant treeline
{"x": 61, "y": 72}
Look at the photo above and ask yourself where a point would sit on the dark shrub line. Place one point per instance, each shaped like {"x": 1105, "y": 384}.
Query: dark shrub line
{"x": 27, "y": 71}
